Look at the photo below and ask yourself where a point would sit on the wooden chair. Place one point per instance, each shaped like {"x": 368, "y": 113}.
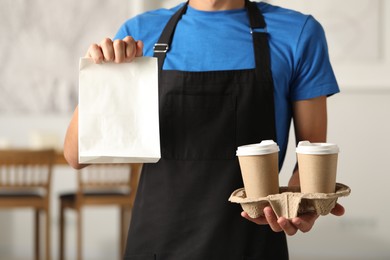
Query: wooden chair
{"x": 25, "y": 180}
{"x": 101, "y": 185}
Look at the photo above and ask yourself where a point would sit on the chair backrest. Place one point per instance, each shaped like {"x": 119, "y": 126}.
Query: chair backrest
{"x": 26, "y": 169}
{"x": 109, "y": 177}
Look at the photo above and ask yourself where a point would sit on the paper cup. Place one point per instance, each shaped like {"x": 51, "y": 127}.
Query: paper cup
{"x": 317, "y": 164}
{"x": 259, "y": 168}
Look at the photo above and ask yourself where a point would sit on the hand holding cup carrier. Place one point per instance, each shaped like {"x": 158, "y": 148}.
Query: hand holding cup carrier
{"x": 318, "y": 190}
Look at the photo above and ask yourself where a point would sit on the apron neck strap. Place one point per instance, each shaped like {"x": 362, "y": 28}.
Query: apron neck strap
{"x": 261, "y": 46}
{"x": 162, "y": 46}
{"x": 258, "y": 31}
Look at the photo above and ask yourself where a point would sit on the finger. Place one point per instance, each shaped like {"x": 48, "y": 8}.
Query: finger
{"x": 140, "y": 49}
{"x": 119, "y": 50}
{"x": 131, "y": 48}
{"x": 272, "y": 219}
{"x": 95, "y": 52}
{"x": 338, "y": 210}
{"x": 287, "y": 226}
{"x": 107, "y": 49}
{"x": 305, "y": 222}
{"x": 259, "y": 221}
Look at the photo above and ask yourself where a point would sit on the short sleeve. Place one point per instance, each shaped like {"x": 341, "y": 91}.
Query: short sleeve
{"x": 313, "y": 74}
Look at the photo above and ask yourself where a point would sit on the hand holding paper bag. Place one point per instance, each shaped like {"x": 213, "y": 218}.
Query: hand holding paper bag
{"x": 118, "y": 112}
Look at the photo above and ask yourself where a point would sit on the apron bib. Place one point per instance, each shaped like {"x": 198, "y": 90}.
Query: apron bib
{"x": 182, "y": 210}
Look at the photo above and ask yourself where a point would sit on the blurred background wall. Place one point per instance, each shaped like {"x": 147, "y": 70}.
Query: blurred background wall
{"x": 40, "y": 45}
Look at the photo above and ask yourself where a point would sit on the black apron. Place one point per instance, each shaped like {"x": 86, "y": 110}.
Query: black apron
{"x": 182, "y": 210}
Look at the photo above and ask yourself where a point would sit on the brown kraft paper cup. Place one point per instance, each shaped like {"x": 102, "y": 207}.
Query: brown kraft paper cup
{"x": 259, "y": 168}
{"x": 317, "y": 163}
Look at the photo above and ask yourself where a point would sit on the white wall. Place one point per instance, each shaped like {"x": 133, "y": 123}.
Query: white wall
{"x": 358, "y": 34}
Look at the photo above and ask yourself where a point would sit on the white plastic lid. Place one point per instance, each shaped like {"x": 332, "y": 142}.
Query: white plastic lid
{"x": 305, "y": 147}
{"x": 265, "y": 147}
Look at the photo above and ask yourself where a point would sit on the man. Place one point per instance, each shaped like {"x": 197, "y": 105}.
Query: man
{"x": 231, "y": 72}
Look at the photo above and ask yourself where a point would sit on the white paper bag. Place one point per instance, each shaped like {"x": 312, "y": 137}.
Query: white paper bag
{"x": 118, "y": 112}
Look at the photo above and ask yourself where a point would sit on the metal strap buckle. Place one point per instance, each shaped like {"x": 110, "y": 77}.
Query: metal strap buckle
{"x": 258, "y": 30}
{"x": 161, "y": 47}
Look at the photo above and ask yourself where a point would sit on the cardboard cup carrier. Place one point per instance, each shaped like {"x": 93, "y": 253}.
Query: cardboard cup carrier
{"x": 317, "y": 164}
{"x": 318, "y": 191}
{"x": 259, "y": 168}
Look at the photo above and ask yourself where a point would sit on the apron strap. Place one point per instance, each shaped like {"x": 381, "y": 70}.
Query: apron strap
{"x": 263, "y": 60}
{"x": 261, "y": 46}
{"x": 256, "y": 19}
{"x": 162, "y": 46}
{"x": 258, "y": 31}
